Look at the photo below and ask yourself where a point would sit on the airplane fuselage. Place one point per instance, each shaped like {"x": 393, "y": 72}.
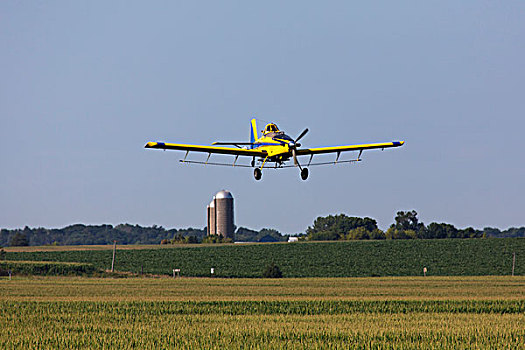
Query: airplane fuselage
{"x": 277, "y": 146}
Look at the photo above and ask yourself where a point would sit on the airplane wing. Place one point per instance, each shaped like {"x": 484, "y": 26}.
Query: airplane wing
{"x": 207, "y": 149}
{"x": 337, "y": 149}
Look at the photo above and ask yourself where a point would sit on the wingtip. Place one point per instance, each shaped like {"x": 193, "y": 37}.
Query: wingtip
{"x": 150, "y": 145}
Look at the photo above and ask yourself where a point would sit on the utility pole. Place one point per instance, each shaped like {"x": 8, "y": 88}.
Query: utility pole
{"x": 114, "y": 252}
{"x": 513, "y": 262}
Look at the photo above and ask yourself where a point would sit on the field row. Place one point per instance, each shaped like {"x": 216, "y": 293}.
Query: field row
{"x": 154, "y": 326}
{"x": 452, "y": 257}
{"x": 310, "y": 307}
{"x": 224, "y": 289}
{"x": 46, "y": 268}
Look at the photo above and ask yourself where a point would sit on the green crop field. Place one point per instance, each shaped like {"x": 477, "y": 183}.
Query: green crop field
{"x": 216, "y": 313}
{"x": 451, "y": 257}
{"x": 49, "y": 268}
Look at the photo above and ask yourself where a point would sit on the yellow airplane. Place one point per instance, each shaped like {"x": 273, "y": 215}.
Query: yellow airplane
{"x": 274, "y": 146}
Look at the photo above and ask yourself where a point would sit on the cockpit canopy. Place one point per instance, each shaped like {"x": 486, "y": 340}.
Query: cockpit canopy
{"x": 270, "y": 128}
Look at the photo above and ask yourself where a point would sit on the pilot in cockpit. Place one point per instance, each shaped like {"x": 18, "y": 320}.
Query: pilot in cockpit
{"x": 270, "y": 128}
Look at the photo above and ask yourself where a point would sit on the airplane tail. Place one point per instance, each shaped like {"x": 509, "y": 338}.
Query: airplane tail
{"x": 253, "y": 134}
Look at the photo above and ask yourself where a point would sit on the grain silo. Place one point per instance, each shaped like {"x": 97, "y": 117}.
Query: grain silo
{"x": 212, "y": 228}
{"x": 223, "y": 205}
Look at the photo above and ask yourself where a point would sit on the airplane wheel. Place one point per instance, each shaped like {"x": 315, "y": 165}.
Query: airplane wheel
{"x": 257, "y": 173}
{"x": 304, "y": 174}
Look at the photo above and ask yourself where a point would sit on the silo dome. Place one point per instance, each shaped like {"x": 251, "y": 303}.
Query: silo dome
{"x": 223, "y": 195}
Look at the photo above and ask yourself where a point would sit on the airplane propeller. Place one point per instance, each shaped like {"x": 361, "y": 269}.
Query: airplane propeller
{"x": 294, "y": 146}
{"x": 305, "y": 131}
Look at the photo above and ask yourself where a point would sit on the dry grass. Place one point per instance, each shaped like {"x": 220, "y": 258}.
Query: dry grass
{"x": 66, "y": 248}
{"x": 70, "y": 248}
{"x": 210, "y": 289}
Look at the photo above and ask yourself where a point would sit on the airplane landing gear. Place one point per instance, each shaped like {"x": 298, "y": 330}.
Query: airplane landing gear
{"x": 304, "y": 173}
{"x": 257, "y": 173}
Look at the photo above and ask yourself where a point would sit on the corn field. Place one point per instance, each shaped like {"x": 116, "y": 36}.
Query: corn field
{"x": 96, "y": 313}
{"x": 216, "y": 325}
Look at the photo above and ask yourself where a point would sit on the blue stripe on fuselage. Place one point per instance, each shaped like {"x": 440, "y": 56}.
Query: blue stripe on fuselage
{"x": 265, "y": 144}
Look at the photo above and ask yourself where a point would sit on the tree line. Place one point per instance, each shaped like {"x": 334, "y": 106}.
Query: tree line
{"x": 327, "y": 228}
{"x": 406, "y": 226}
{"x": 80, "y": 234}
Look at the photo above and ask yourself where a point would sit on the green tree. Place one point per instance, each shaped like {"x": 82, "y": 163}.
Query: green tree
{"x": 18, "y": 240}
{"x": 328, "y": 235}
{"x": 492, "y": 232}
{"x": 192, "y": 239}
{"x": 270, "y": 232}
{"x": 513, "y": 232}
{"x": 216, "y": 239}
{"x": 393, "y": 233}
{"x": 358, "y": 233}
{"x": 244, "y": 234}
{"x": 470, "y": 232}
{"x": 377, "y": 234}
{"x": 2, "y": 253}
{"x": 334, "y": 227}
{"x": 406, "y": 221}
{"x": 272, "y": 271}
{"x": 435, "y": 230}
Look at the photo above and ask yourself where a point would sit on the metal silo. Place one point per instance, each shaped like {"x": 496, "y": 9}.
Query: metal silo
{"x": 224, "y": 214}
{"x": 212, "y": 228}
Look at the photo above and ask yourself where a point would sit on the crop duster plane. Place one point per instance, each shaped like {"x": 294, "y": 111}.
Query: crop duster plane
{"x": 271, "y": 150}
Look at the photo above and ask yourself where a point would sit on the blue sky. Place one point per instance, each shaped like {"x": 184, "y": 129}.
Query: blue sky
{"x": 84, "y": 85}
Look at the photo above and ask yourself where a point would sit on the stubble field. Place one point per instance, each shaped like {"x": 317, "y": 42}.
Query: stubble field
{"x": 370, "y": 313}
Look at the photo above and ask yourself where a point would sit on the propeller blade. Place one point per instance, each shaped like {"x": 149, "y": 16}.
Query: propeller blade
{"x": 295, "y": 161}
{"x": 302, "y": 134}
